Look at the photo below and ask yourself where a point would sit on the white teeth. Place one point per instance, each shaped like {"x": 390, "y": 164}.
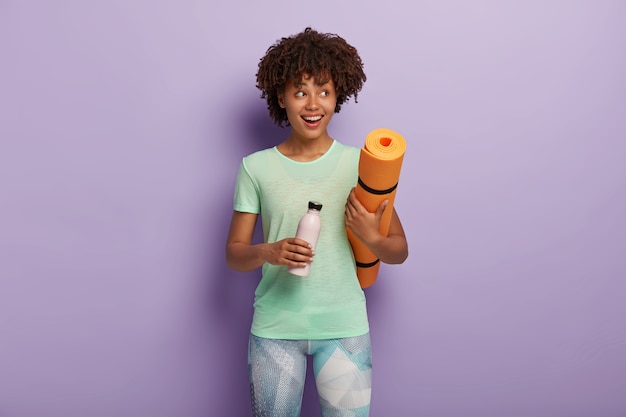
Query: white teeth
{"x": 312, "y": 118}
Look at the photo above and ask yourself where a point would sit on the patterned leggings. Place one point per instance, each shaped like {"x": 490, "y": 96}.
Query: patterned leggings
{"x": 342, "y": 369}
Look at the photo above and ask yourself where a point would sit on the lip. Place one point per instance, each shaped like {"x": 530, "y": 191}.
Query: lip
{"x": 312, "y": 124}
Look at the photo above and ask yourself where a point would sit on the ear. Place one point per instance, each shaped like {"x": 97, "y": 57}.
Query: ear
{"x": 281, "y": 101}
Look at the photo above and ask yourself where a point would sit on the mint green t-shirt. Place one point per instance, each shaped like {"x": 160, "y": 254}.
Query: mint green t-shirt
{"x": 329, "y": 303}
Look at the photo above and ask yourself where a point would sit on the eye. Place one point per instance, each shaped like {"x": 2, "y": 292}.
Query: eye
{"x": 300, "y": 94}
{"x": 325, "y": 93}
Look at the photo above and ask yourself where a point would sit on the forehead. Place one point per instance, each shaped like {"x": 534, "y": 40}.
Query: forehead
{"x": 311, "y": 80}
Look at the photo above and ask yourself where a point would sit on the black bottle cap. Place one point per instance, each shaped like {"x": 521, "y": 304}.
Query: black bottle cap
{"x": 315, "y": 205}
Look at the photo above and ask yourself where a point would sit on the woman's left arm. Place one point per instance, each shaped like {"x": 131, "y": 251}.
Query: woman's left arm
{"x": 390, "y": 249}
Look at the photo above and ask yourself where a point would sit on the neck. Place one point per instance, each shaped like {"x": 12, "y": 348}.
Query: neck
{"x": 305, "y": 150}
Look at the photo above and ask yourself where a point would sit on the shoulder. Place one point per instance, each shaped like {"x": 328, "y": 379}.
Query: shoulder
{"x": 262, "y": 154}
{"x": 348, "y": 151}
{"x": 346, "y": 148}
{"x": 342, "y": 147}
{"x": 258, "y": 158}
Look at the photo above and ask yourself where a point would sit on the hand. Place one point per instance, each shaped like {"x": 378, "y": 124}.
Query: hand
{"x": 290, "y": 252}
{"x": 365, "y": 225}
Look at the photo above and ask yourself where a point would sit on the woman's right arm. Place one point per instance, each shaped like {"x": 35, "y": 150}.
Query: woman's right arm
{"x": 242, "y": 255}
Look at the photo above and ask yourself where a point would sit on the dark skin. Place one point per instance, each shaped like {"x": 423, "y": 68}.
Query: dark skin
{"x": 306, "y": 142}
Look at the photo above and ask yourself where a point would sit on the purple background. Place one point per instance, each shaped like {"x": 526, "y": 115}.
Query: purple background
{"x": 122, "y": 125}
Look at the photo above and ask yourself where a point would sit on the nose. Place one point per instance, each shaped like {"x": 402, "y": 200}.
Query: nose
{"x": 311, "y": 103}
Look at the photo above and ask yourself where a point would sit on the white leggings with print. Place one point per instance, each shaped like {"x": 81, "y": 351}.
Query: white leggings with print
{"x": 342, "y": 369}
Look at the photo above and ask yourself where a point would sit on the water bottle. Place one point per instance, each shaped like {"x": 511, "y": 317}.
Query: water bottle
{"x": 308, "y": 229}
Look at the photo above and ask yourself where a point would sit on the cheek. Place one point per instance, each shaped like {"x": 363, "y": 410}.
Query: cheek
{"x": 291, "y": 114}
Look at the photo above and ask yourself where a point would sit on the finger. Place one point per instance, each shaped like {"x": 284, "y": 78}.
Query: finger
{"x": 300, "y": 243}
{"x": 381, "y": 208}
{"x": 296, "y": 242}
{"x": 299, "y": 258}
{"x": 349, "y": 210}
{"x": 301, "y": 251}
{"x": 352, "y": 198}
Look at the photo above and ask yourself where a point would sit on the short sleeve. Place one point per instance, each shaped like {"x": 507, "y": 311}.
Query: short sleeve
{"x": 246, "y": 197}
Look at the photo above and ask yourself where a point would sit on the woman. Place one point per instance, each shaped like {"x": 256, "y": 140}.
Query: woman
{"x": 305, "y": 79}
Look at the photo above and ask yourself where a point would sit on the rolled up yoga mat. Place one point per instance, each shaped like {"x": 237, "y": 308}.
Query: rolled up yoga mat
{"x": 379, "y": 170}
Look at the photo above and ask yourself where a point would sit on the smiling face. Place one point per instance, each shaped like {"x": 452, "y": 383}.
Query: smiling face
{"x": 310, "y": 105}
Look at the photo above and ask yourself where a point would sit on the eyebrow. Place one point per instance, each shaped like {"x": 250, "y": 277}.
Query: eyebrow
{"x": 318, "y": 84}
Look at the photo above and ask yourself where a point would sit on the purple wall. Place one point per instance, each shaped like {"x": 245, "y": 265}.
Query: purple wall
{"x": 122, "y": 124}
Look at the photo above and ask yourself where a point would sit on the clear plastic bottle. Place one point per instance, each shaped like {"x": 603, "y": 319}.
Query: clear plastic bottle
{"x": 308, "y": 229}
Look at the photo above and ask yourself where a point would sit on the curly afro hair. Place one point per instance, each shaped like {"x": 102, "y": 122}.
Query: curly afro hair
{"x": 320, "y": 55}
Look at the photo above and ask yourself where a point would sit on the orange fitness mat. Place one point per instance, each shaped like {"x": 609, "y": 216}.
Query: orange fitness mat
{"x": 379, "y": 171}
